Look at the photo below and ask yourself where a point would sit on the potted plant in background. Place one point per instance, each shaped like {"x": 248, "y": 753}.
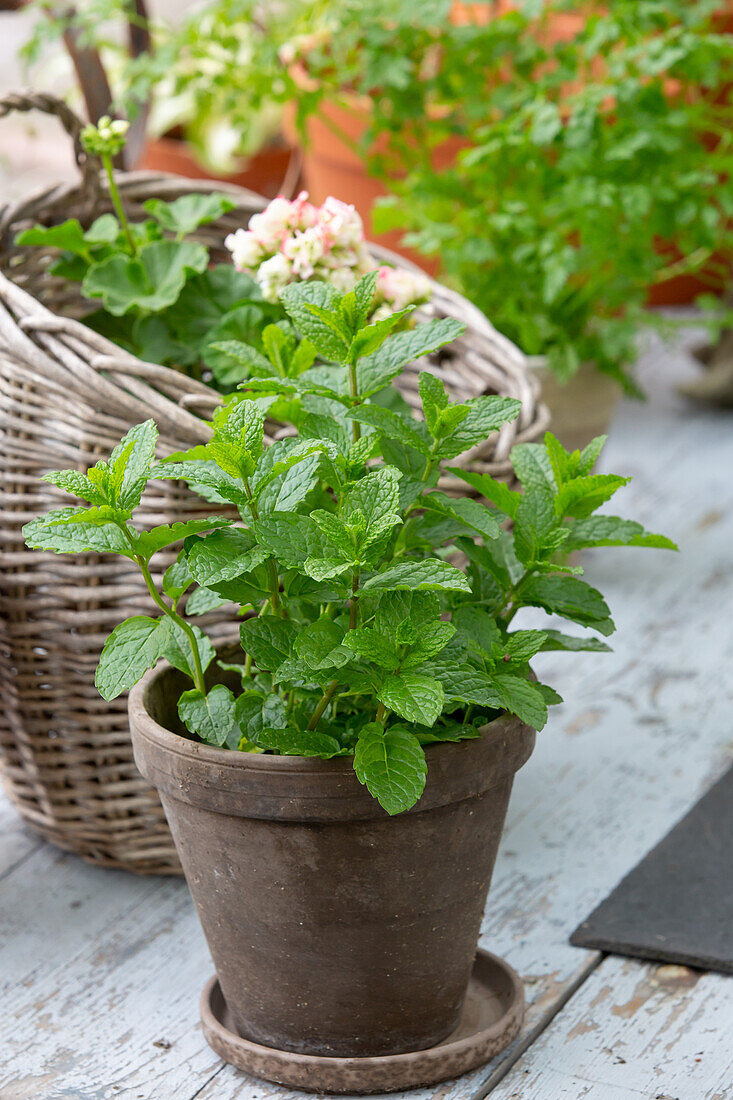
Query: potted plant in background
{"x": 563, "y": 174}
{"x": 334, "y": 781}
{"x": 201, "y": 87}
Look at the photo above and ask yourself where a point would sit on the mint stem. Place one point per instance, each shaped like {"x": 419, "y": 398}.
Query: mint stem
{"x": 198, "y": 672}
{"x": 322, "y": 704}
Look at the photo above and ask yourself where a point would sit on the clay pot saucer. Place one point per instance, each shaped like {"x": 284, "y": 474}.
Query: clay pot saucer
{"x": 492, "y": 1016}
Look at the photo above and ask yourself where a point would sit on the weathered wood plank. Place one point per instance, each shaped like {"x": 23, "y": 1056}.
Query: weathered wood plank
{"x": 643, "y": 732}
{"x": 634, "y": 1030}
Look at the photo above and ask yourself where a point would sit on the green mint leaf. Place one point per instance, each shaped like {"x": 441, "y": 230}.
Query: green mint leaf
{"x": 238, "y": 438}
{"x": 373, "y": 646}
{"x": 276, "y": 465}
{"x": 413, "y": 696}
{"x": 149, "y": 282}
{"x": 569, "y": 597}
{"x": 237, "y": 361}
{"x": 395, "y": 609}
{"x": 535, "y": 525}
{"x": 532, "y": 466}
{"x": 522, "y": 645}
{"x": 427, "y": 574}
{"x": 506, "y": 499}
{"x": 223, "y": 555}
{"x": 485, "y": 415}
{"x": 301, "y": 300}
{"x": 131, "y": 649}
{"x": 268, "y": 641}
{"x": 434, "y": 400}
{"x": 375, "y": 371}
{"x": 392, "y": 425}
{"x": 150, "y": 542}
{"x": 292, "y": 742}
{"x": 320, "y": 645}
{"x": 375, "y": 496}
{"x": 523, "y": 698}
{"x": 203, "y": 600}
{"x": 210, "y": 716}
{"x": 581, "y": 496}
{"x": 134, "y": 453}
{"x": 292, "y": 539}
{"x": 476, "y": 627}
{"x": 363, "y": 293}
{"x": 557, "y": 640}
{"x": 177, "y": 648}
{"x": 468, "y": 513}
{"x": 613, "y": 531}
{"x": 368, "y": 339}
{"x": 78, "y": 485}
{"x": 391, "y": 765}
{"x": 177, "y": 578}
{"x": 242, "y": 324}
{"x": 207, "y": 479}
{"x": 433, "y": 637}
{"x": 463, "y": 683}
{"x": 185, "y": 214}
{"x": 449, "y": 731}
{"x": 589, "y": 455}
{"x": 77, "y": 530}
{"x": 255, "y": 712}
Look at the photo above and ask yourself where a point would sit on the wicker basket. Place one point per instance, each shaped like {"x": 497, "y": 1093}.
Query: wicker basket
{"x": 66, "y": 396}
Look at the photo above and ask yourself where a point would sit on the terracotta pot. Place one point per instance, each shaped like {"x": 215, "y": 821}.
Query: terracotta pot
{"x": 273, "y": 171}
{"x": 331, "y": 166}
{"x": 334, "y": 928}
{"x": 581, "y": 408}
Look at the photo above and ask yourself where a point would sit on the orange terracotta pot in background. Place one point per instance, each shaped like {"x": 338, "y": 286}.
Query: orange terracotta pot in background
{"x": 273, "y": 171}
{"x": 332, "y": 166}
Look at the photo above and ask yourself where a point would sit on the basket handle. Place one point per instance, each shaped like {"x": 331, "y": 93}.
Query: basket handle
{"x": 88, "y": 164}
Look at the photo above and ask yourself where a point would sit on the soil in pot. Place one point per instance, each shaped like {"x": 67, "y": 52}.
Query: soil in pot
{"x": 581, "y": 408}
{"x": 335, "y": 929}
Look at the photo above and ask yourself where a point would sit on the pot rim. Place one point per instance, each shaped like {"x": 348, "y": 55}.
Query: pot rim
{"x": 298, "y": 787}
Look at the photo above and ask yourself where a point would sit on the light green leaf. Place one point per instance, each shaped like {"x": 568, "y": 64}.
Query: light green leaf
{"x": 223, "y": 555}
{"x": 413, "y": 696}
{"x": 291, "y": 538}
{"x": 522, "y": 698}
{"x": 557, "y": 640}
{"x": 581, "y": 496}
{"x": 535, "y": 525}
{"x": 77, "y": 530}
{"x": 186, "y": 213}
{"x": 150, "y": 542}
{"x": 177, "y": 648}
{"x": 131, "y": 649}
{"x": 292, "y": 742}
{"x": 569, "y": 597}
{"x": 375, "y": 496}
{"x": 207, "y": 479}
{"x": 268, "y": 640}
{"x": 368, "y": 339}
{"x": 613, "y": 531}
{"x": 506, "y": 499}
{"x": 391, "y": 765}
{"x": 521, "y": 645}
{"x": 320, "y": 645}
{"x": 432, "y": 638}
{"x": 177, "y": 578}
{"x": 255, "y": 712}
{"x": 427, "y": 574}
{"x": 375, "y": 371}
{"x": 469, "y": 513}
{"x": 485, "y": 415}
{"x": 373, "y": 646}
{"x": 149, "y": 282}
{"x": 391, "y": 425}
{"x": 238, "y": 438}
{"x": 532, "y": 466}
{"x": 210, "y": 716}
{"x": 203, "y": 600}
{"x": 301, "y": 300}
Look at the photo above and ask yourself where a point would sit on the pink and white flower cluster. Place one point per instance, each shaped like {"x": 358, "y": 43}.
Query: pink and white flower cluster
{"x": 294, "y": 241}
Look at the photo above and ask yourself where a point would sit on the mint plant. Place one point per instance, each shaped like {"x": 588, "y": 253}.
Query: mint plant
{"x": 378, "y": 612}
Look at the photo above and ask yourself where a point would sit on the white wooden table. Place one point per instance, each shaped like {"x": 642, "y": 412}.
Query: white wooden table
{"x": 101, "y": 972}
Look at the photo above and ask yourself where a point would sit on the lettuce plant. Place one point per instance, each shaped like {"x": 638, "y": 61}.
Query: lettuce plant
{"x": 378, "y": 613}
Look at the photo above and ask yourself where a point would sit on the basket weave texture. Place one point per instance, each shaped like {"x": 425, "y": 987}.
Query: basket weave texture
{"x": 66, "y": 397}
